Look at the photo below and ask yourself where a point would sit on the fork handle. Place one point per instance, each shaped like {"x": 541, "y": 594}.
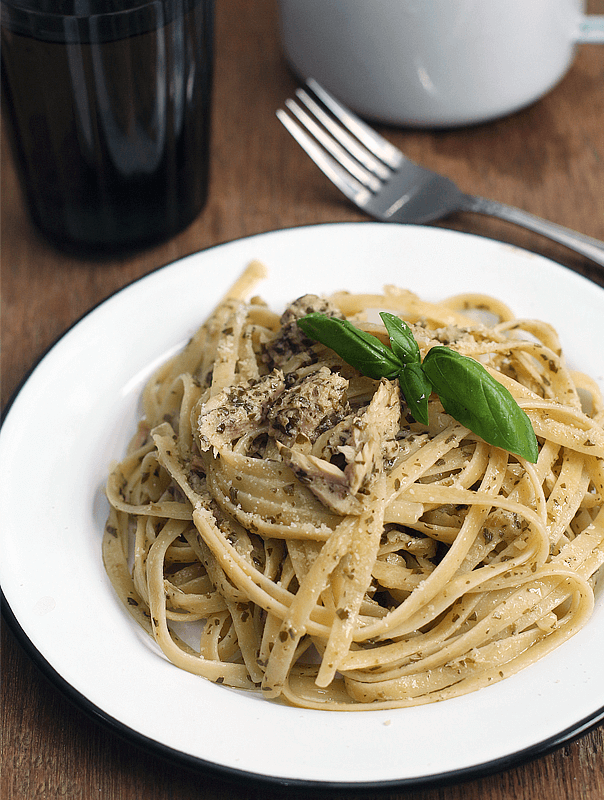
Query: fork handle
{"x": 585, "y": 245}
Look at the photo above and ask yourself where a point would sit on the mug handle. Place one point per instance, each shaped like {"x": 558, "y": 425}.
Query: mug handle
{"x": 591, "y": 29}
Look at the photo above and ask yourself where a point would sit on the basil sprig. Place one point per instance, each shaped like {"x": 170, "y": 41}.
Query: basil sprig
{"x": 466, "y": 390}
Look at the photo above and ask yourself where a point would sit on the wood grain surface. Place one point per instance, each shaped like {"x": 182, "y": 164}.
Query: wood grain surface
{"x": 547, "y": 159}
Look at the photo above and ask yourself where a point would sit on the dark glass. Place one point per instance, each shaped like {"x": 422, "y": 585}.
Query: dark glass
{"x": 108, "y": 105}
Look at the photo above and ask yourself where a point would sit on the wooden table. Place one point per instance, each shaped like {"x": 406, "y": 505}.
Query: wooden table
{"x": 548, "y": 159}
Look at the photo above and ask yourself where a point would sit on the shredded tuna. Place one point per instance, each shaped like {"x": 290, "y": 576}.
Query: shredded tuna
{"x": 366, "y": 440}
{"x": 326, "y": 481}
{"x": 237, "y": 410}
{"x": 309, "y": 407}
{"x": 372, "y": 435}
{"x": 291, "y": 340}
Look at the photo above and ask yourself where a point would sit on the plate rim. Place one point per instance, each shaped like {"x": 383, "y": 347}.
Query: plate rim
{"x": 173, "y": 755}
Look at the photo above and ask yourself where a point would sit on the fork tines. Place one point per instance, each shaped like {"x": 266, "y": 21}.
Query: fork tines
{"x": 352, "y": 155}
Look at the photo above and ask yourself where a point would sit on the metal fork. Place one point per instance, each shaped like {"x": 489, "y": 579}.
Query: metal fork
{"x": 378, "y": 178}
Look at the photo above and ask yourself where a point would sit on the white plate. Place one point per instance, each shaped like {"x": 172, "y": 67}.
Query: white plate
{"x": 74, "y": 415}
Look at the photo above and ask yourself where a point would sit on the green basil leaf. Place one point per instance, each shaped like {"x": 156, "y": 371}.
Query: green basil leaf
{"x": 416, "y": 389}
{"x": 474, "y": 398}
{"x": 402, "y": 339}
{"x": 467, "y": 391}
{"x": 360, "y": 349}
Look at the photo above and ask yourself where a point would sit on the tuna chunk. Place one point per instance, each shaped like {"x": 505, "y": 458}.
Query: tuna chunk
{"x": 326, "y": 481}
{"x": 290, "y": 340}
{"x": 372, "y": 435}
{"x": 309, "y": 408}
{"x": 237, "y": 410}
{"x": 367, "y": 441}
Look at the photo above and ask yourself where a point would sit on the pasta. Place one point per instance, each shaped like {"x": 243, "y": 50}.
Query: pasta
{"x": 279, "y": 522}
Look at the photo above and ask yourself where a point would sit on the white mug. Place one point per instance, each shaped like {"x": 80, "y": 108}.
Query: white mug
{"x": 435, "y": 63}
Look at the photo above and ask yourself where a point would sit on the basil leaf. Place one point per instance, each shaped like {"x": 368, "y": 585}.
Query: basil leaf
{"x": 416, "y": 389}
{"x": 402, "y": 339}
{"x": 360, "y": 349}
{"x": 474, "y": 398}
{"x": 467, "y": 391}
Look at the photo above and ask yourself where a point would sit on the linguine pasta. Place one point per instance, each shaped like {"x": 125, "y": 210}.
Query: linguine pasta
{"x": 280, "y": 521}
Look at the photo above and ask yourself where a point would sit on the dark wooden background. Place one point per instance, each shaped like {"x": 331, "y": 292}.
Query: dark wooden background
{"x": 548, "y": 159}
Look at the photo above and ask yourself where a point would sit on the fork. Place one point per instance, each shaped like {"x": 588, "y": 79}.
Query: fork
{"x": 381, "y": 180}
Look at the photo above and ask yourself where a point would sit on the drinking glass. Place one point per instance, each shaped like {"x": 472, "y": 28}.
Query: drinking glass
{"x": 107, "y": 104}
